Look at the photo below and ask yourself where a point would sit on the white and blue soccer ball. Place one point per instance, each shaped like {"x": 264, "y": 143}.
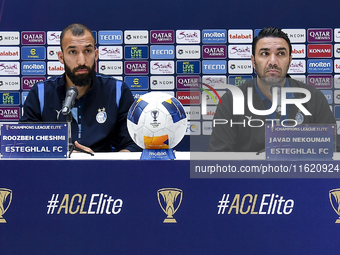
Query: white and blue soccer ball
{"x": 156, "y": 120}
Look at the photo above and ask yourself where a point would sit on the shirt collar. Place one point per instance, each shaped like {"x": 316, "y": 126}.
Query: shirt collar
{"x": 258, "y": 91}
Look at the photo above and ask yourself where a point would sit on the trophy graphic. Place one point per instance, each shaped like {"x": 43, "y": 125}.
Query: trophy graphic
{"x": 336, "y": 195}
{"x": 169, "y": 197}
{"x": 4, "y": 202}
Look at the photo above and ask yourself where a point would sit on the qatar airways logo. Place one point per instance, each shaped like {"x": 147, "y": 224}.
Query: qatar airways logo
{"x": 162, "y": 36}
{"x": 33, "y": 38}
{"x": 214, "y": 51}
{"x": 320, "y": 35}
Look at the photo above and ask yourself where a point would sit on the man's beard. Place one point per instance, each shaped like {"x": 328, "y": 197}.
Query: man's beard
{"x": 272, "y": 80}
{"x": 80, "y": 80}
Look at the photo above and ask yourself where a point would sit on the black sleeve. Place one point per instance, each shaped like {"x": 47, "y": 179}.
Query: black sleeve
{"x": 223, "y": 137}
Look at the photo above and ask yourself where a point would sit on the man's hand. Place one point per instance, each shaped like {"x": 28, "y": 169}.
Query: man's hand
{"x": 82, "y": 147}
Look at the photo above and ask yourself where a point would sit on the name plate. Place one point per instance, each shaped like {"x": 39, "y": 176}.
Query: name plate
{"x": 34, "y": 140}
{"x": 315, "y": 142}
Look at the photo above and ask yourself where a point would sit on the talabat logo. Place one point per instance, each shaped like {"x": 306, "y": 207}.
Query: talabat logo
{"x": 214, "y": 36}
{"x": 162, "y": 36}
{"x": 55, "y": 68}
{"x": 298, "y": 50}
{"x": 110, "y": 37}
{"x": 9, "y": 53}
{"x": 110, "y": 52}
{"x": 97, "y": 204}
{"x": 337, "y": 66}
{"x": 162, "y": 51}
{"x": 240, "y": 36}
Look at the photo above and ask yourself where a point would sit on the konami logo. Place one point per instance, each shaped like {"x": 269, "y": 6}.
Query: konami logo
{"x": 320, "y": 51}
{"x": 189, "y": 97}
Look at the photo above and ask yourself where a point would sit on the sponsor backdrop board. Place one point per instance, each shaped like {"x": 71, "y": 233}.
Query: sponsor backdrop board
{"x": 114, "y": 207}
{"x": 152, "y": 51}
{"x": 160, "y": 46}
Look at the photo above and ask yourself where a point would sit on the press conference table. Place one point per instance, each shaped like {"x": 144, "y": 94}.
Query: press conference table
{"x": 67, "y": 206}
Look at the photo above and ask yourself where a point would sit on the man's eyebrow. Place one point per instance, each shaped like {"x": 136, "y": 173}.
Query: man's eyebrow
{"x": 267, "y": 49}
{"x": 86, "y": 46}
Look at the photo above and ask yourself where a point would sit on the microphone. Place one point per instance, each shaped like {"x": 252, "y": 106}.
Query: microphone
{"x": 71, "y": 95}
{"x": 278, "y": 93}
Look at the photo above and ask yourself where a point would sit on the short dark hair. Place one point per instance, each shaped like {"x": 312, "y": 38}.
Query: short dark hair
{"x": 271, "y": 32}
{"x": 76, "y": 29}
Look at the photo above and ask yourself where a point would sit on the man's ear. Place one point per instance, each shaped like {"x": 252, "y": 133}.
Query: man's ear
{"x": 61, "y": 57}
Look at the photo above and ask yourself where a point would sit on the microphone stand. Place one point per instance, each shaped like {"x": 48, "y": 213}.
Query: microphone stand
{"x": 71, "y": 147}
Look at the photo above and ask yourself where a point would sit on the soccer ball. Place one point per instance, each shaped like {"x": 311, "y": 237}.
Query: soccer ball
{"x": 156, "y": 120}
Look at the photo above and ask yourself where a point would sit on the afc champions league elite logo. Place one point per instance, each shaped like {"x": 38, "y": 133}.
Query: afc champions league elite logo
{"x": 101, "y": 116}
{"x": 154, "y": 114}
{"x": 172, "y": 199}
{"x": 335, "y": 201}
{"x": 5, "y": 201}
